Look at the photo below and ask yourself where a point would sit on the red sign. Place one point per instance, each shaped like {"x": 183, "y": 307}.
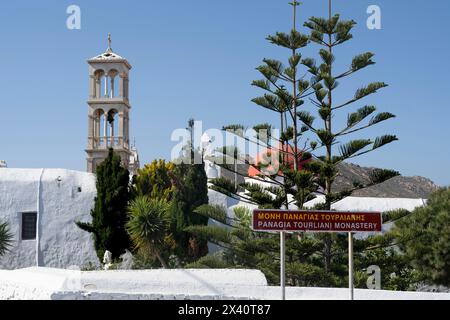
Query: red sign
{"x": 316, "y": 221}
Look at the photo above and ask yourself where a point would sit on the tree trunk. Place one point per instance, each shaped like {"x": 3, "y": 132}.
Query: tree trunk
{"x": 327, "y": 252}
{"x": 328, "y": 241}
{"x": 294, "y": 97}
{"x": 161, "y": 260}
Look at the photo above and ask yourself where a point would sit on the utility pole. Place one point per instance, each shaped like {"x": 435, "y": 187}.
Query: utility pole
{"x": 191, "y": 124}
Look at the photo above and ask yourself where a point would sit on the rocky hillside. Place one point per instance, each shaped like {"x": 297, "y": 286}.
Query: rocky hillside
{"x": 398, "y": 187}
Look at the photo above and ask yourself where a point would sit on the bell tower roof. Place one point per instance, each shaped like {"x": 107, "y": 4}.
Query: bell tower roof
{"x": 109, "y": 56}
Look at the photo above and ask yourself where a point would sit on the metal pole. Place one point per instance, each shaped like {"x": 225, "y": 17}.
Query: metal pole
{"x": 350, "y": 265}
{"x": 282, "y": 265}
{"x": 235, "y": 172}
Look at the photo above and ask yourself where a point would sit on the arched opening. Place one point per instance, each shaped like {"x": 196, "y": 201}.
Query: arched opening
{"x": 113, "y": 76}
{"x": 99, "y": 83}
{"x": 105, "y": 87}
{"x": 100, "y": 126}
{"x": 113, "y": 128}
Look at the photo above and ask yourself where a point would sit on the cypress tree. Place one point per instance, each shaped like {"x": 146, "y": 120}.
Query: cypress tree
{"x": 109, "y": 215}
{"x": 191, "y": 192}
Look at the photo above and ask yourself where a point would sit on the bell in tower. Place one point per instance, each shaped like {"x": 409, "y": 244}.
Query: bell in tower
{"x": 109, "y": 110}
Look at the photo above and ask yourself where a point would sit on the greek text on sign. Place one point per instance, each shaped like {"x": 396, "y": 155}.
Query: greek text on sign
{"x": 316, "y": 221}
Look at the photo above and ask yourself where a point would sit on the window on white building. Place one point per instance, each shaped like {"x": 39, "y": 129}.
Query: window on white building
{"x": 29, "y": 220}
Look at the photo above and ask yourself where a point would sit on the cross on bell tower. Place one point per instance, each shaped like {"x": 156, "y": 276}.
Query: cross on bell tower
{"x": 109, "y": 110}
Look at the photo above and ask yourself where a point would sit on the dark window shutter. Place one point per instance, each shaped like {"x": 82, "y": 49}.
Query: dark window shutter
{"x": 29, "y": 220}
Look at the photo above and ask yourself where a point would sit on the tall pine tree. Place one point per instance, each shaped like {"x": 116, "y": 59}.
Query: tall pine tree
{"x": 330, "y": 33}
{"x": 304, "y": 172}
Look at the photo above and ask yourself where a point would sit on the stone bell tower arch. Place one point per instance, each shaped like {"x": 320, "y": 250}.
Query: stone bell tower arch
{"x": 109, "y": 110}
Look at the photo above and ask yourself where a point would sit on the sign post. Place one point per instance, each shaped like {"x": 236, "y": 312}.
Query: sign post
{"x": 283, "y": 264}
{"x": 350, "y": 264}
{"x": 283, "y": 221}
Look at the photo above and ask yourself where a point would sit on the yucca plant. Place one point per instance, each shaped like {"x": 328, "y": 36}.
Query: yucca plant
{"x": 5, "y": 238}
{"x": 148, "y": 225}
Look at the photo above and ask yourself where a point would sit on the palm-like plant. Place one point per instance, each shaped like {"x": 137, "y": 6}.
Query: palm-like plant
{"x": 5, "y": 238}
{"x": 148, "y": 225}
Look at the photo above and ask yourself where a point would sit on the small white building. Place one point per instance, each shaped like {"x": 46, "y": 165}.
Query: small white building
{"x": 41, "y": 207}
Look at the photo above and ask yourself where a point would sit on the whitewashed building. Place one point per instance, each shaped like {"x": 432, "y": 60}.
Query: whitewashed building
{"x": 41, "y": 207}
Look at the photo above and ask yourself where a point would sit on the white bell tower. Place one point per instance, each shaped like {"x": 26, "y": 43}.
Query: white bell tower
{"x": 109, "y": 110}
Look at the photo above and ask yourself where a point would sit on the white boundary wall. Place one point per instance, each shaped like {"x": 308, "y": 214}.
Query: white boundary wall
{"x": 176, "y": 284}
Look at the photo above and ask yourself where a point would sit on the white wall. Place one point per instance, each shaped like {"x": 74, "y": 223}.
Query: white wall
{"x": 60, "y": 243}
{"x": 178, "y": 284}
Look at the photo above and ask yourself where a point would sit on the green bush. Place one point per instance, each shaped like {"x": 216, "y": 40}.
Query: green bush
{"x": 424, "y": 237}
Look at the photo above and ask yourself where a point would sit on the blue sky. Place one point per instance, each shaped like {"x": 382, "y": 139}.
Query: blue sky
{"x": 197, "y": 59}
